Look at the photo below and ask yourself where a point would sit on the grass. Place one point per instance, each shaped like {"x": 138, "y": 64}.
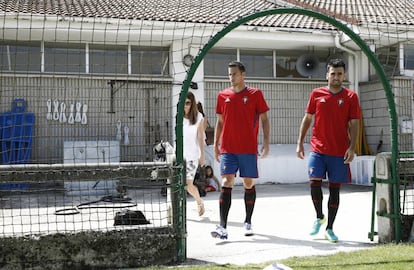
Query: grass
{"x": 380, "y": 257}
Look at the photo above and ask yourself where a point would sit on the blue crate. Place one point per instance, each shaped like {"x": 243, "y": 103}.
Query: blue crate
{"x": 16, "y": 133}
{"x": 6, "y": 121}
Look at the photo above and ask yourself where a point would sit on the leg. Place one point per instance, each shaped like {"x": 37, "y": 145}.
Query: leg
{"x": 228, "y": 169}
{"x": 225, "y": 198}
{"x": 249, "y": 171}
{"x": 317, "y": 196}
{"x": 193, "y": 190}
{"x": 224, "y": 206}
{"x": 249, "y": 198}
{"x": 249, "y": 202}
{"x": 333, "y": 203}
{"x": 316, "y": 172}
{"x": 191, "y": 169}
{"x": 338, "y": 173}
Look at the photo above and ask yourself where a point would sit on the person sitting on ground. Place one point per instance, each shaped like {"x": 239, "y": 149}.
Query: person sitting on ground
{"x": 213, "y": 183}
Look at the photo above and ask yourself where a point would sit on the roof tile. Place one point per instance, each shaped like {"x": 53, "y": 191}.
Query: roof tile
{"x": 363, "y": 12}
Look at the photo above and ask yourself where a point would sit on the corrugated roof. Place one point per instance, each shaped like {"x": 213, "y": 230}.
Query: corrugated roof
{"x": 222, "y": 11}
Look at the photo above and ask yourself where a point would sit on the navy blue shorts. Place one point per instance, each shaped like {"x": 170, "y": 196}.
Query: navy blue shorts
{"x": 331, "y": 167}
{"x": 246, "y": 164}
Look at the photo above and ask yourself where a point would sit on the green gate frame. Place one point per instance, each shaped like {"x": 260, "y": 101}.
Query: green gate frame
{"x": 362, "y": 45}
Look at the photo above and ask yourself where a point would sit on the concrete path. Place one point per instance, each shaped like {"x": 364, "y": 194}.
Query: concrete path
{"x": 282, "y": 220}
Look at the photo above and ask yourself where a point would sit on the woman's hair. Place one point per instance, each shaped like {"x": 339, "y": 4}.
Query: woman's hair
{"x": 211, "y": 169}
{"x": 200, "y": 108}
{"x": 192, "y": 113}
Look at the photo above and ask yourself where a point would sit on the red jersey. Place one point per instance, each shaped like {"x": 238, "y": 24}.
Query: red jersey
{"x": 332, "y": 113}
{"x": 240, "y": 112}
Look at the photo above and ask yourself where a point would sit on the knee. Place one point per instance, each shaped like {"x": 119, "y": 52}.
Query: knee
{"x": 227, "y": 181}
{"x": 248, "y": 183}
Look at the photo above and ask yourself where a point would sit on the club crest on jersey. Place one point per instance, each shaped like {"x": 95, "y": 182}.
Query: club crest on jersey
{"x": 245, "y": 99}
{"x": 227, "y": 100}
{"x": 340, "y": 102}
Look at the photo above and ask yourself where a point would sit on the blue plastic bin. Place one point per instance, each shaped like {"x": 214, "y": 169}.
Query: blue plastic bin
{"x": 16, "y": 133}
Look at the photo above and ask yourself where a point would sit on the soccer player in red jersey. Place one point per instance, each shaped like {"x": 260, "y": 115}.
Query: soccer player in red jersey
{"x": 336, "y": 114}
{"x": 240, "y": 109}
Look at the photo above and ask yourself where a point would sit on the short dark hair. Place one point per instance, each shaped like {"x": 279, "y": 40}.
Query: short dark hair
{"x": 335, "y": 63}
{"x": 238, "y": 64}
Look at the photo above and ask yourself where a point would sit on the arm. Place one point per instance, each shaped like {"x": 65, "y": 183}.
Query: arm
{"x": 200, "y": 138}
{"x": 304, "y": 127}
{"x": 205, "y": 123}
{"x": 353, "y": 136}
{"x": 217, "y": 135}
{"x": 266, "y": 134}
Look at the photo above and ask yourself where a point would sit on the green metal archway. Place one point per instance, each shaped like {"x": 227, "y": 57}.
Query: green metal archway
{"x": 362, "y": 45}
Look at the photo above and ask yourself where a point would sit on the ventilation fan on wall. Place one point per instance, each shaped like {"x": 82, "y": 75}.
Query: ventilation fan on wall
{"x": 307, "y": 65}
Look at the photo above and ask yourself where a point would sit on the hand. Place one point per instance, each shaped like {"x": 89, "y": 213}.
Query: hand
{"x": 264, "y": 151}
{"x": 300, "y": 152}
{"x": 349, "y": 156}
{"x": 217, "y": 153}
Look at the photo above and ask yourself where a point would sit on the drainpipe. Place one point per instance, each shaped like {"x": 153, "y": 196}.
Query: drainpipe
{"x": 356, "y": 66}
